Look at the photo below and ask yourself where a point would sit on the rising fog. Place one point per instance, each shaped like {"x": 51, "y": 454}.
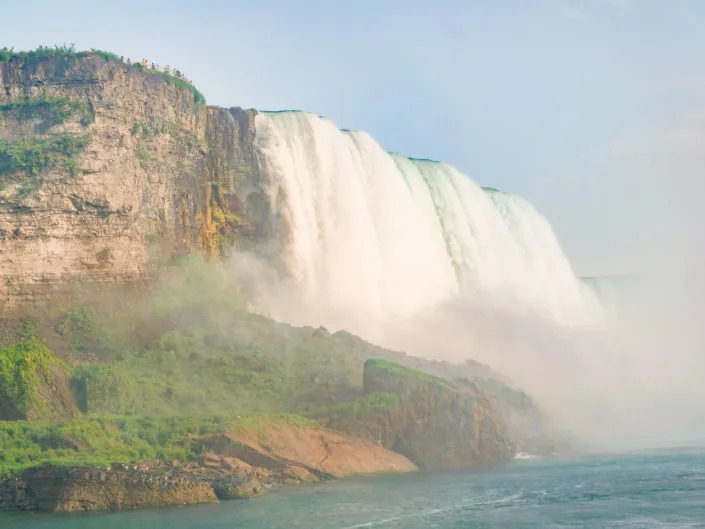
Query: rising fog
{"x": 634, "y": 381}
{"x": 628, "y": 378}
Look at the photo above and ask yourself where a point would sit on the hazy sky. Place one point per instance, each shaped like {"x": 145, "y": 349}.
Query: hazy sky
{"x": 594, "y": 110}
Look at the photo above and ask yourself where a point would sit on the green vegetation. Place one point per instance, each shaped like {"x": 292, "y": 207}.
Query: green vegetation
{"x": 198, "y": 97}
{"x": 143, "y": 153}
{"x": 176, "y": 374}
{"x": 47, "y": 52}
{"x": 225, "y": 223}
{"x": 403, "y": 371}
{"x": 148, "y": 132}
{"x": 190, "y": 348}
{"x": 51, "y": 110}
{"x": 38, "y": 154}
{"x": 260, "y": 424}
{"x": 152, "y": 372}
{"x": 377, "y": 401}
{"x": 42, "y": 52}
{"x": 27, "y": 189}
{"x": 508, "y": 395}
{"x": 101, "y": 440}
{"x": 106, "y": 55}
{"x": 200, "y": 368}
{"x": 221, "y": 217}
{"x": 21, "y": 368}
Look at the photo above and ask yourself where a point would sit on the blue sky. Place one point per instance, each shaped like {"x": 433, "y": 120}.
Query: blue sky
{"x": 594, "y": 110}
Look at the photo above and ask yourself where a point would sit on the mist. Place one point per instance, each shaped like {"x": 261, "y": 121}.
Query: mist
{"x": 633, "y": 382}
{"x": 626, "y": 376}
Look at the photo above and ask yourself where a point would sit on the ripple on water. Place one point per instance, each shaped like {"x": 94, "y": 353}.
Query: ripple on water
{"x": 626, "y": 492}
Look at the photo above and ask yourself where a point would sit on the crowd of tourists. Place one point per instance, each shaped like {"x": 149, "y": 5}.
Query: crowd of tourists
{"x": 152, "y": 66}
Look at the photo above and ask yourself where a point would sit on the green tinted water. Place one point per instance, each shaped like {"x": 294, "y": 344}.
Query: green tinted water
{"x": 634, "y": 492}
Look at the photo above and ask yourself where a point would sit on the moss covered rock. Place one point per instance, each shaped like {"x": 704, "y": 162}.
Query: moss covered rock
{"x": 34, "y": 383}
{"x": 436, "y": 425}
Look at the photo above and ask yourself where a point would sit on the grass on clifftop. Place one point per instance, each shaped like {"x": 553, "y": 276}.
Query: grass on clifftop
{"x": 198, "y": 97}
{"x": 47, "y": 52}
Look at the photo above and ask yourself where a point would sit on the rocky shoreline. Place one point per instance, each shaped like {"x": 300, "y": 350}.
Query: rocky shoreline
{"x": 420, "y": 422}
{"x": 227, "y": 469}
{"x": 428, "y": 424}
{"x": 119, "y": 487}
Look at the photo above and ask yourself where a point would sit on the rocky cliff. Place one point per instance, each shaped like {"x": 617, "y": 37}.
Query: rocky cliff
{"x": 105, "y": 169}
{"x": 436, "y": 424}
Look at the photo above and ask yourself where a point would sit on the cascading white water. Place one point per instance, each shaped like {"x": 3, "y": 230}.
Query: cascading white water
{"x": 413, "y": 255}
{"x": 378, "y": 236}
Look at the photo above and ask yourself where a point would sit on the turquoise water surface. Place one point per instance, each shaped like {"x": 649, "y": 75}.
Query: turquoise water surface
{"x": 620, "y": 491}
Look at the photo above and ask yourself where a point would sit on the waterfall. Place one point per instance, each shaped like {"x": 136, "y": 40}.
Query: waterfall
{"x": 376, "y": 236}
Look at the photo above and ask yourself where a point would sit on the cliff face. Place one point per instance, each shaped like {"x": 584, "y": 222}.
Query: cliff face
{"x": 436, "y": 425}
{"x": 105, "y": 168}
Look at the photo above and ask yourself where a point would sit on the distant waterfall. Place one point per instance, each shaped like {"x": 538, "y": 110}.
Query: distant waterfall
{"x": 376, "y": 235}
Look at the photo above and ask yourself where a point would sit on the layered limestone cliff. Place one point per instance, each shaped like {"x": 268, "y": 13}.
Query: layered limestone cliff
{"x": 105, "y": 169}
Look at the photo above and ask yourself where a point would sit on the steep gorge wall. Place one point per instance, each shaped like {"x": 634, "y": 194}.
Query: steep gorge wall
{"x": 160, "y": 175}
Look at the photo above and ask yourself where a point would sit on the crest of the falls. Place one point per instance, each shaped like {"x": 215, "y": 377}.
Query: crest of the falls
{"x": 374, "y": 235}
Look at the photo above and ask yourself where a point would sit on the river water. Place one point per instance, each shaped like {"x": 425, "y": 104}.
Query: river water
{"x": 633, "y": 491}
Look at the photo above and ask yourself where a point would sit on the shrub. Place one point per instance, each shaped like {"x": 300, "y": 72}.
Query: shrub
{"x": 98, "y": 387}
{"x": 46, "y": 52}
{"x": 51, "y": 110}
{"x": 37, "y": 154}
{"x": 21, "y": 368}
{"x": 102, "y": 440}
{"x": 198, "y": 97}
{"x": 107, "y": 55}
